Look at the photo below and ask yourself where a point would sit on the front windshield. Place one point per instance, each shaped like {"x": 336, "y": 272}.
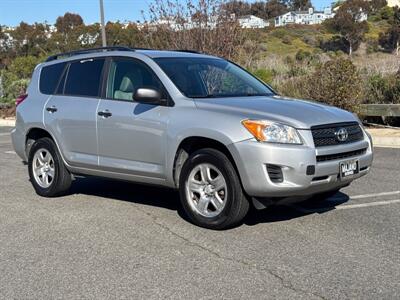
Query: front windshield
{"x": 211, "y": 78}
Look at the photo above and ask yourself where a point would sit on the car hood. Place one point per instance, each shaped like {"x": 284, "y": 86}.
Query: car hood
{"x": 300, "y": 114}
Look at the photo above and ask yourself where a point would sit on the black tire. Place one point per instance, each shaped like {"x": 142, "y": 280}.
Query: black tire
{"x": 236, "y": 205}
{"x": 62, "y": 177}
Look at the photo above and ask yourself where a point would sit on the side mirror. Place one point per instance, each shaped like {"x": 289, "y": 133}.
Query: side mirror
{"x": 147, "y": 96}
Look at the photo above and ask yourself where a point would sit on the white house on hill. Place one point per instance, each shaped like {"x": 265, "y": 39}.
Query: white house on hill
{"x": 309, "y": 17}
{"x": 251, "y": 21}
{"x": 393, "y": 3}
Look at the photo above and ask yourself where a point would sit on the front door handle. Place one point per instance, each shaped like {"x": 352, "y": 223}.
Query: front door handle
{"x": 51, "y": 109}
{"x": 105, "y": 113}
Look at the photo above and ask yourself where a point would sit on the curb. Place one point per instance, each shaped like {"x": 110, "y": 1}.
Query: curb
{"x": 7, "y": 122}
{"x": 383, "y": 137}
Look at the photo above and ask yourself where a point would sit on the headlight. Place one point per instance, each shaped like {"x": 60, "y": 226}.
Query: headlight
{"x": 271, "y": 132}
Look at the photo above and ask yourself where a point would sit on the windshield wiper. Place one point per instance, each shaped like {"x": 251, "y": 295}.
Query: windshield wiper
{"x": 229, "y": 95}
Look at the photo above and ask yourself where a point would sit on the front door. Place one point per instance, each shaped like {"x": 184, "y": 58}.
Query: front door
{"x": 131, "y": 135}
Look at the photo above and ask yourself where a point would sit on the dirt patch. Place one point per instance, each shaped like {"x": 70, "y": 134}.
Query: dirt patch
{"x": 7, "y": 112}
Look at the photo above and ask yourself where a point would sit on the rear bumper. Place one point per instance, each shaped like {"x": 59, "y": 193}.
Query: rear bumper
{"x": 252, "y": 157}
{"x": 18, "y": 141}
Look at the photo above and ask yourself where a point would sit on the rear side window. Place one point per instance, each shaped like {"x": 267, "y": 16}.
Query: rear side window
{"x": 84, "y": 78}
{"x": 49, "y": 78}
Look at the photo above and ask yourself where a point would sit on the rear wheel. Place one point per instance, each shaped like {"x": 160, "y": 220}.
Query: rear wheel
{"x": 47, "y": 172}
{"x": 210, "y": 190}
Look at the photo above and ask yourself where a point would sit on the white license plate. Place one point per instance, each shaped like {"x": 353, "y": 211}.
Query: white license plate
{"x": 348, "y": 168}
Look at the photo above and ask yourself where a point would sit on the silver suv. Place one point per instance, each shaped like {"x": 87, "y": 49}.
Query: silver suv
{"x": 187, "y": 121}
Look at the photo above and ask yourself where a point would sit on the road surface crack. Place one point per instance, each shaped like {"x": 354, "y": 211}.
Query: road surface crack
{"x": 286, "y": 284}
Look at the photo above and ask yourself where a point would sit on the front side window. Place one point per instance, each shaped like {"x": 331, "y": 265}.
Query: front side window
{"x": 211, "y": 78}
{"x": 84, "y": 78}
{"x": 126, "y": 76}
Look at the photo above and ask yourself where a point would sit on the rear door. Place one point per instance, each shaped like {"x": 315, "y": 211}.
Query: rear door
{"x": 70, "y": 115}
{"x": 131, "y": 135}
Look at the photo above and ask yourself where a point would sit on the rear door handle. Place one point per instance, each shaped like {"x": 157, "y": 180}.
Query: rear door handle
{"x": 105, "y": 113}
{"x": 51, "y": 109}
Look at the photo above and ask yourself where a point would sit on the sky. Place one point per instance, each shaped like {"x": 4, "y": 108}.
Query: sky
{"x": 12, "y": 12}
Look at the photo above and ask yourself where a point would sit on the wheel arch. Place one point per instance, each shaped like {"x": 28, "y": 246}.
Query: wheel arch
{"x": 191, "y": 144}
{"x": 35, "y": 133}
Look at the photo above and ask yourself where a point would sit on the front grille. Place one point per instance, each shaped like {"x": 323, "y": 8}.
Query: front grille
{"x": 275, "y": 173}
{"x": 321, "y": 158}
{"x": 325, "y": 135}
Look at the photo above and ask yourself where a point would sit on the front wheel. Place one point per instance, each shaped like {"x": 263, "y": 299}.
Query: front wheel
{"x": 210, "y": 190}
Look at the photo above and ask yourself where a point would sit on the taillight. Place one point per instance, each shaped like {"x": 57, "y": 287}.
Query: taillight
{"x": 20, "y": 99}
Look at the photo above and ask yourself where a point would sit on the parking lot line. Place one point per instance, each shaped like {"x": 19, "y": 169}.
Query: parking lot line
{"x": 375, "y": 195}
{"x": 376, "y": 203}
{"x": 342, "y": 206}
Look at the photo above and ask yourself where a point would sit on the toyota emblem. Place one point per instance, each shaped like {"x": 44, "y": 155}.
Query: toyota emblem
{"x": 342, "y": 134}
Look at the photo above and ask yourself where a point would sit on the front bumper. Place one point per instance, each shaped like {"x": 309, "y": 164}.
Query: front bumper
{"x": 251, "y": 158}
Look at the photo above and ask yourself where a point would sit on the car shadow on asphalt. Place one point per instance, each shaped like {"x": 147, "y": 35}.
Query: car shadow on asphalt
{"x": 169, "y": 199}
{"x": 279, "y": 213}
{"x": 127, "y": 191}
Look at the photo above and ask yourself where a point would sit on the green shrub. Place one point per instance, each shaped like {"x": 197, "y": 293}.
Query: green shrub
{"x": 279, "y": 33}
{"x": 23, "y": 66}
{"x": 265, "y": 75}
{"x": 311, "y": 40}
{"x": 382, "y": 89}
{"x": 372, "y": 46}
{"x": 386, "y": 13}
{"x": 337, "y": 83}
{"x": 294, "y": 87}
{"x": 287, "y": 40}
{"x": 303, "y": 55}
{"x": 15, "y": 78}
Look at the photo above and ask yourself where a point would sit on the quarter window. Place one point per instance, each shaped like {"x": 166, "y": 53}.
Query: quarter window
{"x": 49, "y": 78}
{"x": 84, "y": 78}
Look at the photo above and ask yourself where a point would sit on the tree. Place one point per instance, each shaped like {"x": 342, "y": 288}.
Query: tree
{"x": 71, "y": 33}
{"x": 300, "y": 4}
{"x": 391, "y": 39}
{"x": 275, "y": 8}
{"x": 376, "y": 5}
{"x": 262, "y": 9}
{"x": 30, "y": 39}
{"x": 202, "y": 25}
{"x": 238, "y": 8}
{"x": 348, "y": 22}
{"x": 68, "y": 22}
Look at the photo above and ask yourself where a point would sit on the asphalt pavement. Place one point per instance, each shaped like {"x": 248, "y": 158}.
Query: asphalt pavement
{"x": 109, "y": 239}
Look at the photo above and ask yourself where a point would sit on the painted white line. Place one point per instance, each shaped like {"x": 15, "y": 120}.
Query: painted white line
{"x": 341, "y": 207}
{"x": 4, "y": 134}
{"x": 10, "y": 152}
{"x": 377, "y": 203}
{"x": 387, "y": 146}
{"x": 375, "y": 195}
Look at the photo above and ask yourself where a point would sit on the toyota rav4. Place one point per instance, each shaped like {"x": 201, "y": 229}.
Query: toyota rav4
{"x": 184, "y": 120}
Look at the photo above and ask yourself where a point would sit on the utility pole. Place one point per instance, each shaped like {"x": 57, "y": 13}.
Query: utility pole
{"x": 103, "y": 27}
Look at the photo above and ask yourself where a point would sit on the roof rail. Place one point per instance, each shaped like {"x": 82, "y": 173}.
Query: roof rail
{"x": 188, "y": 51}
{"x": 85, "y": 51}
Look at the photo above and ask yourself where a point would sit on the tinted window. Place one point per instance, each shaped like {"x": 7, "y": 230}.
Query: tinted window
{"x": 126, "y": 76}
{"x": 60, "y": 87}
{"x": 211, "y": 78}
{"x": 84, "y": 78}
{"x": 49, "y": 78}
